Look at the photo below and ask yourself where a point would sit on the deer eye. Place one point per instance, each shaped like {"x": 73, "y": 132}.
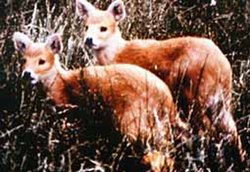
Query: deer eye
{"x": 41, "y": 62}
{"x": 103, "y": 29}
{"x": 86, "y": 27}
{"x": 22, "y": 61}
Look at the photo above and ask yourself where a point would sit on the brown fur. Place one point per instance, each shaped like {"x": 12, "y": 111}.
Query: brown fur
{"x": 197, "y": 72}
{"x": 183, "y": 57}
{"x": 120, "y": 87}
{"x": 192, "y": 67}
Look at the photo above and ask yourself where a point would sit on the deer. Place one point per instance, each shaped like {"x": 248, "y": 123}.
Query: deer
{"x": 195, "y": 69}
{"x": 141, "y": 103}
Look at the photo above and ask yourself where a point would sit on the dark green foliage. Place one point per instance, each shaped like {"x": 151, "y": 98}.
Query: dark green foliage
{"x": 34, "y": 134}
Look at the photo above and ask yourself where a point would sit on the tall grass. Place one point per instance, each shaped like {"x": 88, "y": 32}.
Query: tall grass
{"x": 35, "y": 135}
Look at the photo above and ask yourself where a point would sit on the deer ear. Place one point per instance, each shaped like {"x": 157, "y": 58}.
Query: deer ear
{"x": 84, "y": 8}
{"x": 117, "y": 9}
{"x": 54, "y": 42}
{"x": 21, "y": 41}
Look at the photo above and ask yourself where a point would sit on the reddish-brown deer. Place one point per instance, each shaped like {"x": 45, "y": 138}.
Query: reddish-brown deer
{"x": 197, "y": 72}
{"x": 142, "y": 105}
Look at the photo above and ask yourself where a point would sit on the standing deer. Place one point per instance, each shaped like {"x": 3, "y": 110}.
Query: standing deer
{"x": 197, "y": 72}
{"x": 142, "y": 105}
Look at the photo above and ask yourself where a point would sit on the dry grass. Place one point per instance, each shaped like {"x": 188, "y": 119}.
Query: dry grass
{"x": 33, "y": 134}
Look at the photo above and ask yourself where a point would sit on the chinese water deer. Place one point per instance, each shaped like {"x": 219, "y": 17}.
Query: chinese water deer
{"x": 142, "y": 105}
{"x": 197, "y": 72}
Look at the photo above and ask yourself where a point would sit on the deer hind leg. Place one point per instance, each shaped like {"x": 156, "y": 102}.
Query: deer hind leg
{"x": 223, "y": 122}
{"x": 150, "y": 129}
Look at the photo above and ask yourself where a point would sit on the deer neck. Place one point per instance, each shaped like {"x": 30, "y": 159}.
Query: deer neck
{"x": 49, "y": 78}
{"x": 113, "y": 46}
{"x": 55, "y": 86}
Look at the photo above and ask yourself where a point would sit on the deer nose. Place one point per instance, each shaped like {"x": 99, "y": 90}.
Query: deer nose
{"x": 89, "y": 42}
{"x": 26, "y": 75}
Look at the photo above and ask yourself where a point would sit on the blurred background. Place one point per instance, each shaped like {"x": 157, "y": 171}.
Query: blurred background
{"x": 33, "y": 134}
